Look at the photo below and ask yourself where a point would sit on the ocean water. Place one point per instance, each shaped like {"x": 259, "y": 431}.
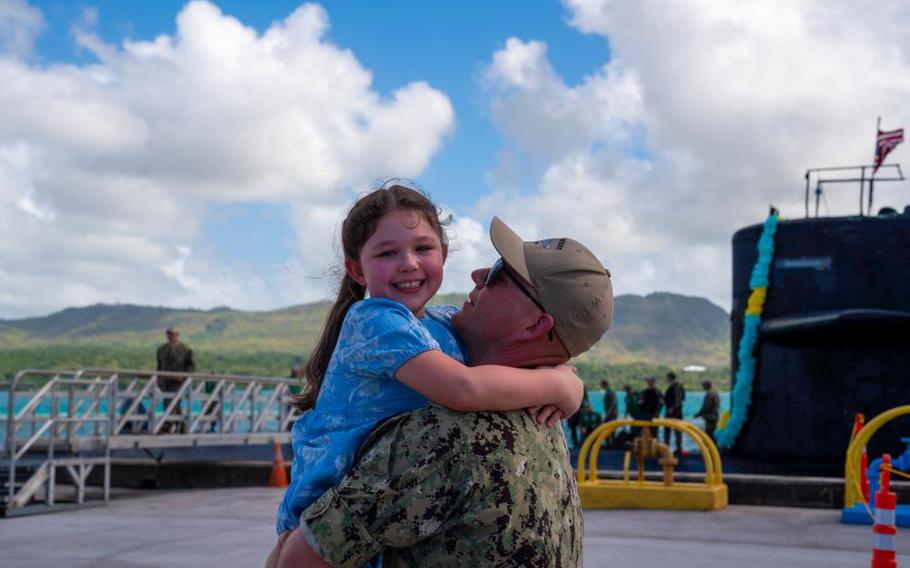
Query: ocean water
{"x": 45, "y": 406}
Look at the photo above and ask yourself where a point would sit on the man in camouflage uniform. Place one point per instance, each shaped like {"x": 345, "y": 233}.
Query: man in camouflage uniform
{"x": 710, "y": 408}
{"x": 436, "y": 487}
{"x": 174, "y": 356}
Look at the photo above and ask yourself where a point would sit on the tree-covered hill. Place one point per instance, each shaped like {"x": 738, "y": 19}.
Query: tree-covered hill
{"x": 666, "y": 329}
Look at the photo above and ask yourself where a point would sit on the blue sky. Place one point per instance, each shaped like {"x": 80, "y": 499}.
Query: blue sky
{"x": 203, "y": 154}
{"x": 444, "y": 44}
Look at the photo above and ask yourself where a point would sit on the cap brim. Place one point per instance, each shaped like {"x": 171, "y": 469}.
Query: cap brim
{"x": 510, "y": 247}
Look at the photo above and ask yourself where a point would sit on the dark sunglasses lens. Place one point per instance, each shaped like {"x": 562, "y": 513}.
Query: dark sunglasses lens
{"x": 493, "y": 272}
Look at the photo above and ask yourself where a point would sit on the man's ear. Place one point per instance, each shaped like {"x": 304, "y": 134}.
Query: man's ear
{"x": 539, "y": 327}
{"x": 355, "y": 271}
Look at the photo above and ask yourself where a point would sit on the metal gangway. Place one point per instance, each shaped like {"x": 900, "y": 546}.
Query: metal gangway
{"x": 53, "y": 422}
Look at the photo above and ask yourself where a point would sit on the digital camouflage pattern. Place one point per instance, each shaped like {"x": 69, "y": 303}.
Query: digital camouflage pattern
{"x": 177, "y": 357}
{"x": 437, "y": 487}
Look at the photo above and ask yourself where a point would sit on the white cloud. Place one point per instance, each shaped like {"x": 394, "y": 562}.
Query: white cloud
{"x": 20, "y": 24}
{"x": 106, "y": 169}
{"x": 706, "y": 113}
{"x": 539, "y": 114}
{"x": 469, "y": 248}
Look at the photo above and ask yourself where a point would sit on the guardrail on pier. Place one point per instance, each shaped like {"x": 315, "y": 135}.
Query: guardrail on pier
{"x": 74, "y": 419}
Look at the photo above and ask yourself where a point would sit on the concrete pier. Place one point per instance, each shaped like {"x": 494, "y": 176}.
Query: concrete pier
{"x": 234, "y": 528}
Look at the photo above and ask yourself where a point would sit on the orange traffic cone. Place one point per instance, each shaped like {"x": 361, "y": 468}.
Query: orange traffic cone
{"x": 883, "y": 555}
{"x": 279, "y": 476}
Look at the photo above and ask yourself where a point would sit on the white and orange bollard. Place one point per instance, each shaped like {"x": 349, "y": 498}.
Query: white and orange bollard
{"x": 884, "y": 529}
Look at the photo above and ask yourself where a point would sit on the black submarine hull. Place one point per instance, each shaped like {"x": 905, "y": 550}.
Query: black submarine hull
{"x": 834, "y": 339}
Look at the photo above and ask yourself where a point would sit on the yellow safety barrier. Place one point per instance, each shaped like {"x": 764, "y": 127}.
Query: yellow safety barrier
{"x": 642, "y": 494}
{"x": 853, "y": 493}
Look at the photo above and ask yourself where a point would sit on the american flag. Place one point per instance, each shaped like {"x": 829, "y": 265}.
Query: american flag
{"x": 886, "y": 141}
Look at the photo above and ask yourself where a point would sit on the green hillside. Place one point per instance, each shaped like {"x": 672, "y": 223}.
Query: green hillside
{"x": 665, "y": 329}
{"x": 649, "y": 335}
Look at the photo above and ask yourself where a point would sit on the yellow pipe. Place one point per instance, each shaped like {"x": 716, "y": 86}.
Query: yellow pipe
{"x": 600, "y": 433}
{"x": 852, "y": 493}
{"x": 709, "y": 453}
{"x": 708, "y": 450}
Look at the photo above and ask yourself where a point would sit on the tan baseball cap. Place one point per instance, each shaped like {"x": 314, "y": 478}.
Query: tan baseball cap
{"x": 571, "y": 284}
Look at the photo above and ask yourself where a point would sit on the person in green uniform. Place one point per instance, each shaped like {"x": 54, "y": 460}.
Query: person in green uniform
{"x": 610, "y": 406}
{"x": 632, "y": 410}
{"x": 174, "y": 356}
{"x": 673, "y": 401}
{"x": 710, "y": 408}
{"x": 631, "y": 402}
{"x": 589, "y": 420}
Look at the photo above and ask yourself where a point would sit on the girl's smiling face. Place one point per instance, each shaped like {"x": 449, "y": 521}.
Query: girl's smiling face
{"x": 402, "y": 261}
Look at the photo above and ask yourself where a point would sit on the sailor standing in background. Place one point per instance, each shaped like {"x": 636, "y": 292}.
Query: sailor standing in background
{"x": 673, "y": 399}
{"x": 650, "y": 400}
{"x": 174, "y": 356}
{"x": 588, "y": 420}
{"x": 710, "y": 409}
{"x": 632, "y": 407}
{"x": 574, "y": 423}
{"x": 610, "y": 408}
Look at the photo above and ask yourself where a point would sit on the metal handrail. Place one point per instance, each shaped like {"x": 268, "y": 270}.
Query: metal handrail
{"x": 276, "y": 394}
{"x": 243, "y": 398}
{"x": 169, "y": 409}
{"x": 137, "y": 401}
{"x": 259, "y": 405}
{"x": 35, "y": 401}
{"x": 183, "y": 374}
{"x": 238, "y": 409}
{"x": 209, "y": 402}
{"x": 31, "y": 441}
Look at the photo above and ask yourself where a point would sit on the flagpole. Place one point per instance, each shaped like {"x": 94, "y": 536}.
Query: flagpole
{"x": 878, "y": 128}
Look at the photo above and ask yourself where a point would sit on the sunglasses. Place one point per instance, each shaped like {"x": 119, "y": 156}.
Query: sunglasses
{"x": 499, "y": 267}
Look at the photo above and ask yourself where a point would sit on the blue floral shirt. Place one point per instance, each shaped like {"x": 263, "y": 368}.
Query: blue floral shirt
{"x": 358, "y": 391}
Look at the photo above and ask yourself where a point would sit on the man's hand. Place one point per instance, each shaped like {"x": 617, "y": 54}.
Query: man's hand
{"x": 573, "y": 393}
{"x": 549, "y": 414}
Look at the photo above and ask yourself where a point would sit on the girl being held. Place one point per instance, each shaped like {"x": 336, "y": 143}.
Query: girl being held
{"x": 392, "y": 353}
